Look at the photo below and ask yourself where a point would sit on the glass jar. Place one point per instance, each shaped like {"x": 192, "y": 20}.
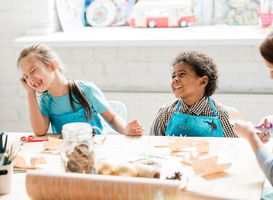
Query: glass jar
{"x": 78, "y": 153}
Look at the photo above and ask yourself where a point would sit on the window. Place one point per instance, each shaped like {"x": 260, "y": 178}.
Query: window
{"x": 156, "y": 12}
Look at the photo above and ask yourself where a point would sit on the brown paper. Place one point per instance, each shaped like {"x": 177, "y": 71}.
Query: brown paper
{"x": 173, "y": 147}
{"x": 89, "y": 186}
{"x": 37, "y": 161}
{"x": 202, "y": 147}
{"x": 191, "y": 157}
{"x": 183, "y": 143}
{"x": 205, "y": 166}
{"x": 185, "y": 162}
{"x": 20, "y": 162}
{"x": 208, "y": 166}
{"x": 52, "y": 143}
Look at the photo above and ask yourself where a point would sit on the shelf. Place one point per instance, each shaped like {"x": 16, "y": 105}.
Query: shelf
{"x": 214, "y": 35}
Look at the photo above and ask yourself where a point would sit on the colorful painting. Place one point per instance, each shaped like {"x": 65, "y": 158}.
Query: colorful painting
{"x": 124, "y": 8}
{"x": 101, "y": 13}
{"x": 121, "y": 12}
{"x": 70, "y": 13}
{"x": 129, "y": 8}
{"x": 198, "y": 11}
{"x": 236, "y": 12}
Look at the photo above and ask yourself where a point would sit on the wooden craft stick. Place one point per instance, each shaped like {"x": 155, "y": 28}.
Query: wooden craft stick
{"x": 161, "y": 146}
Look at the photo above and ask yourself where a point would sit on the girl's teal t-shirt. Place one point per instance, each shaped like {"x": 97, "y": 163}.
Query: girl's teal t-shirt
{"x": 61, "y": 105}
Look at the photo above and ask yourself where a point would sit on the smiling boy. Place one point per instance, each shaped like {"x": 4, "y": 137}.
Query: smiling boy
{"x": 193, "y": 113}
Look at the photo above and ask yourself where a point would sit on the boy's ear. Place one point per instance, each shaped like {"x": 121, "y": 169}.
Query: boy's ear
{"x": 54, "y": 65}
{"x": 204, "y": 81}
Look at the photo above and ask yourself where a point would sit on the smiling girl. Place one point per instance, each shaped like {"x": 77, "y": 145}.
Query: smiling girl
{"x": 194, "y": 113}
{"x": 63, "y": 100}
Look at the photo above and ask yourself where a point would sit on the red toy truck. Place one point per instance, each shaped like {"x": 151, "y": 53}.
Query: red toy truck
{"x": 162, "y": 13}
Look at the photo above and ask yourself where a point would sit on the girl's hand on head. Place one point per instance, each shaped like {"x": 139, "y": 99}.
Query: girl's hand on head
{"x": 265, "y": 138}
{"x": 244, "y": 129}
{"x": 25, "y": 85}
{"x": 134, "y": 128}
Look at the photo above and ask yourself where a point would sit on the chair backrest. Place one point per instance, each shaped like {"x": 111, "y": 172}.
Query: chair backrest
{"x": 234, "y": 115}
{"x": 120, "y": 109}
{"x": 231, "y": 109}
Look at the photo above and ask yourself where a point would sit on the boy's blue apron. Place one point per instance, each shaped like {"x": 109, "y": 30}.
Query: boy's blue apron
{"x": 194, "y": 126}
{"x": 57, "y": 122}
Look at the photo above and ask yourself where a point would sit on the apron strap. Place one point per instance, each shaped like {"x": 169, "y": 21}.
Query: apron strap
{"x": 49, "y": 103}
{"x": 212, "y": 107}
{"x": 178, "y": 105}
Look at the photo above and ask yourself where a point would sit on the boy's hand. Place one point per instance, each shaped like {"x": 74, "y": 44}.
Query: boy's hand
{"x": 25, "y": 85}
{"x": 134, "y": 128}
{"x": 265, "y": 138}
{"x": 244, "y": 129}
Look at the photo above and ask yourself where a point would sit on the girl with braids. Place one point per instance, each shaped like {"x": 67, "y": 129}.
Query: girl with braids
{"x": 63, "y": 100}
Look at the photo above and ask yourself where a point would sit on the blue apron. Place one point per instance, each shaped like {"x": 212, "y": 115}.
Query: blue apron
{"x": 194, "y": 126}
{"x": 57, "y": 122}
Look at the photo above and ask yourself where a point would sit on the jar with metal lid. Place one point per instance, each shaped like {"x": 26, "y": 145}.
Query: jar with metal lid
{"x": 78, "y": 153}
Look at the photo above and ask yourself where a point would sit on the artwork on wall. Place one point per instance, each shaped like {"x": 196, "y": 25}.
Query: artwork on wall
{"x": 124, "y": 8}
{"x": 129, "y": 8}
{"x": 101, "y": 13}
{"x": 121, "y": 12}
{"x": 198, "y": 11}
{"x": 70, "y": 13}
{"x": 75, "y": 14}
{"x": 236, "y": 12}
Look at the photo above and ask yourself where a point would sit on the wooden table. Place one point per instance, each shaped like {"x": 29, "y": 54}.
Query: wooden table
{"x": 244, "y": 180}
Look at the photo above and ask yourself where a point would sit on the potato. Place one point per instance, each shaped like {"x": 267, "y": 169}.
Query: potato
{"x": 106, "y": 167}
{"x": 126, "y": 169}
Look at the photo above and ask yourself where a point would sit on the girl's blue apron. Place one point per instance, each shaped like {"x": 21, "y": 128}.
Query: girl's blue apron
{"x": 57, "y": 122}
{"x": 194, "y": 126}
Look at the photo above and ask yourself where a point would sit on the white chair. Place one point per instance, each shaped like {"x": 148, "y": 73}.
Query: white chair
{"x": 231, "y": 109}
{"x": 234, "y": 115}
{"x": 120, "y": 109}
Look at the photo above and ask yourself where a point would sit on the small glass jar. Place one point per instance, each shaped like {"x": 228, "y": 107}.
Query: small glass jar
{"x": 78, "y": 153}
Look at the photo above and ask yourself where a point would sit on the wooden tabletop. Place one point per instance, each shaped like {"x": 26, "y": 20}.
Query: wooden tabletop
{"x": 244, "y": 180}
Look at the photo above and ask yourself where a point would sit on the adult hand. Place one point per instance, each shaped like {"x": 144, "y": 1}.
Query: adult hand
{"x": 26, "y": 86}
{"x": 134, "y": 128}
{"x": 244, "y": 129}
{"x": 265, "y": 136}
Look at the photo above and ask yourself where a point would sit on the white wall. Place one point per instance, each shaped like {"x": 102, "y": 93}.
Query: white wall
{"x": 18, "y": 17}
{"x": 112, "y": 69}
{"x": 119, "y": 68}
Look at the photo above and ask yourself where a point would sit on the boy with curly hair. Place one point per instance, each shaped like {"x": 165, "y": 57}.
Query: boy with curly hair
{"x": 194, "y": 113}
